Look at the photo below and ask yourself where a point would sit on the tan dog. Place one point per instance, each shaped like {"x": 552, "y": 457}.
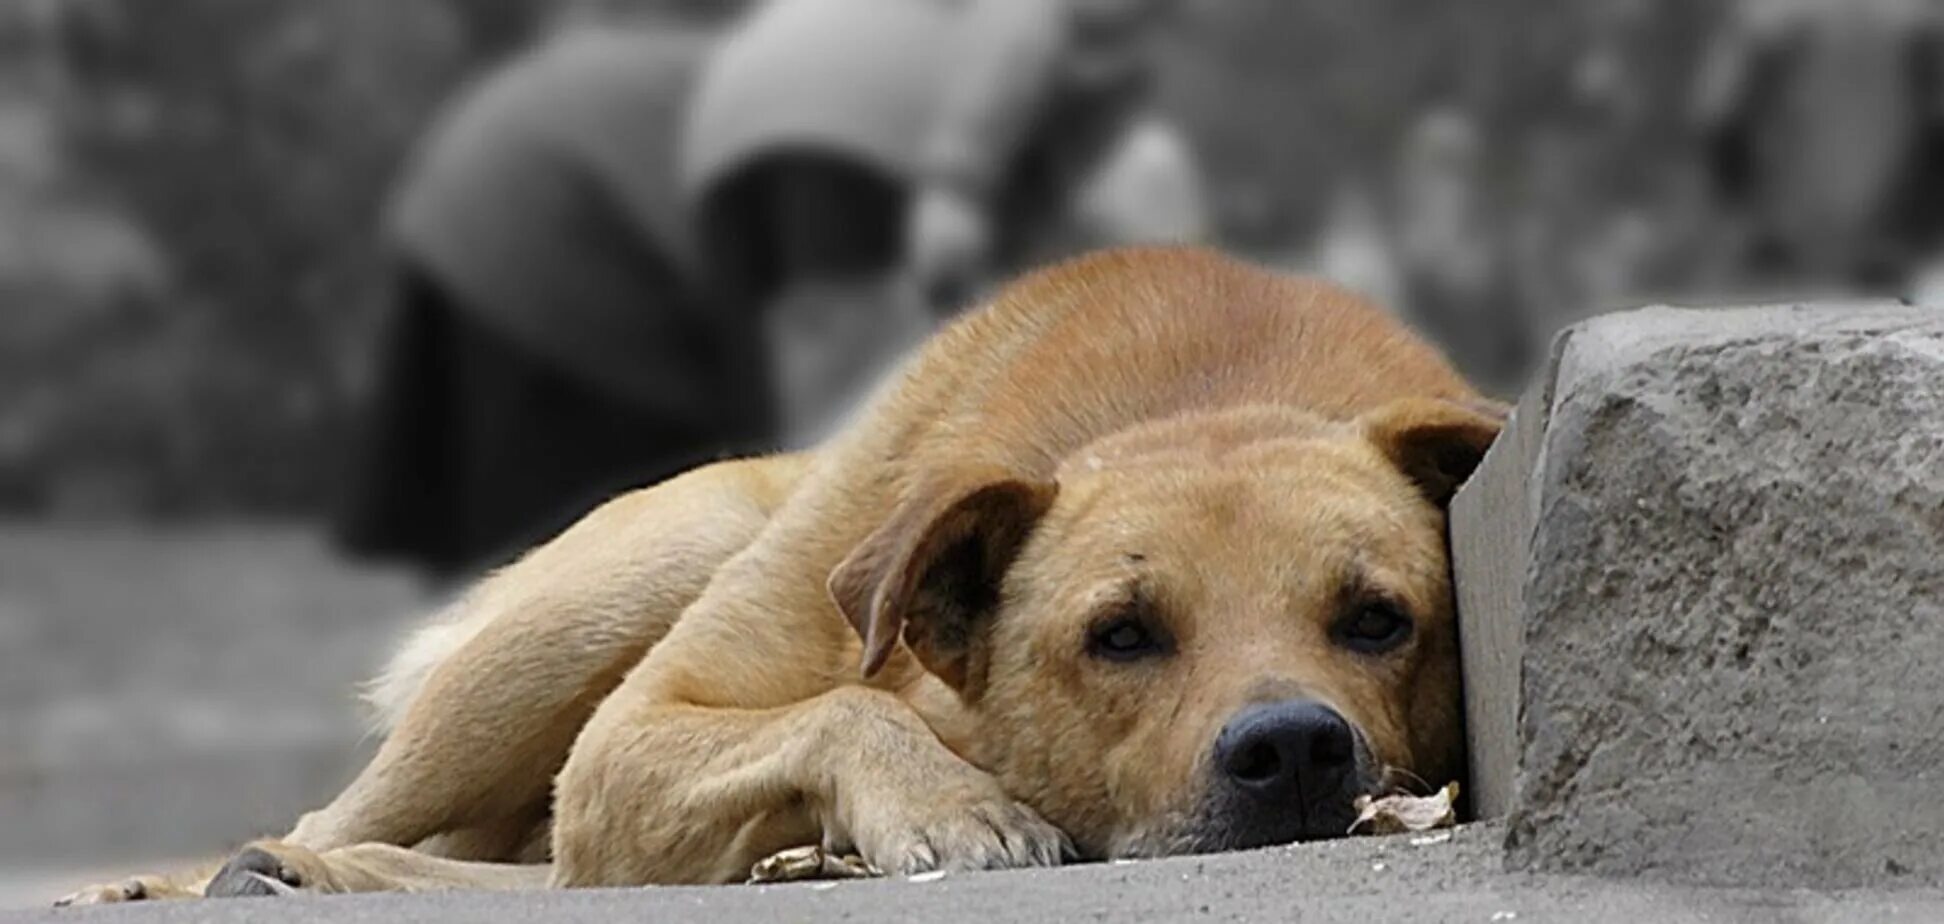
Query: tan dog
{"x": 1146, "y": 557}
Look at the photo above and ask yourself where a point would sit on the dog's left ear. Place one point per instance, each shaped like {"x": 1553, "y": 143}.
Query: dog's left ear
{"x": 1436, "y": 443}
{"x": 931, "y": 573}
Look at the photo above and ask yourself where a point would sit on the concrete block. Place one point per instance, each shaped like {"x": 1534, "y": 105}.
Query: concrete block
{"x": 1702, "y": 600}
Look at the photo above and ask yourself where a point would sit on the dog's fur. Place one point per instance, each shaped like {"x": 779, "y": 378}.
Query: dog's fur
{"x": 892, "y": 644}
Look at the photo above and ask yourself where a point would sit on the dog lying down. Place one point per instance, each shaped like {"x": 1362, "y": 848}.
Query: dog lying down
{"x": 1145, "y": 557}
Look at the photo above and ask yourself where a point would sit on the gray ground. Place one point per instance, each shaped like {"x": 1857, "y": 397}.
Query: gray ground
{"x": 1387, "y": 879}
{"x": 169, "y": 694}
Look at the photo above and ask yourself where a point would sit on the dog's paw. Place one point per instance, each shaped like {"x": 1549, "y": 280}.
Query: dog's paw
{"x": 987, "y": 831}
{"x": 134, "y": 889}
{"x": 269, "y": 868}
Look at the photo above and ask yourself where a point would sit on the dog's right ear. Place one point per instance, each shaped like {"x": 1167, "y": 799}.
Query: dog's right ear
{"x": 1436, "y": 443}
{"x": 931, "y": 572}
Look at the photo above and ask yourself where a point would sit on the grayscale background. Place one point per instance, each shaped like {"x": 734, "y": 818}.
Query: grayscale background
{"x": 300, "y": 327}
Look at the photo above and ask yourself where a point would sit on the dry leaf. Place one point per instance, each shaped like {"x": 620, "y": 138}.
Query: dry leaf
{"x": 799, "y": 864}
{"x": 1399, "y": 814}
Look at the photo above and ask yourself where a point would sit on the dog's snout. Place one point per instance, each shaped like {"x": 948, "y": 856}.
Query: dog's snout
{"x": 1287, "y": 752}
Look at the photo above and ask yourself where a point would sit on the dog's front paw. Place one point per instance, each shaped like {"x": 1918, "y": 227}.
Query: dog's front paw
{"x": 979, "y": 830}
{"x": 270, "y": 868}
{"x": 134, "y": 889}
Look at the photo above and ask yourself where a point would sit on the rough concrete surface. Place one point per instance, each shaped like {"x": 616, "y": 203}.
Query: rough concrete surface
{"x": 1733, "y": 612}
{"x": 1370, "y": 879}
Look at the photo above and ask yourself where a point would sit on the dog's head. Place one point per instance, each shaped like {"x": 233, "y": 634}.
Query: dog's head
{"x": 1206, "y": 633}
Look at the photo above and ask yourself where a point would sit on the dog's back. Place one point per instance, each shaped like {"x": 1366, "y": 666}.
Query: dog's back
{"x": 1118, "y": 338}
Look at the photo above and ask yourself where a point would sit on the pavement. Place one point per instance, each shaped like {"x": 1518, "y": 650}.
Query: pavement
{"x": 174, "y": 692}
{"x": 1399, "y": 878}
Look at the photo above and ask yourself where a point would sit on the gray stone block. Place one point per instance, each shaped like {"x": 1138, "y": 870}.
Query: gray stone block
{"x": 1709, "y": 562}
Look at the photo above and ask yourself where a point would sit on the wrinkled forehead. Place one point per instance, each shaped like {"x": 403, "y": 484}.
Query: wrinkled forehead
{"x": 1306, "y": 521}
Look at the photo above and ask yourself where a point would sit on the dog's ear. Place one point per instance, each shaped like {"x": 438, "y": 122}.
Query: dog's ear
{"x": 931, "y": 572}
{"x": 1436, "y": 443}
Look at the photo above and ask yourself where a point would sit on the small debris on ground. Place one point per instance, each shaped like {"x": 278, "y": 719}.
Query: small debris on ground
{"x": 799, "y": 864}
{"x": 1406, "y": 813}
{"x": 1429, "y": 840}
{"x": 929, "y": 876}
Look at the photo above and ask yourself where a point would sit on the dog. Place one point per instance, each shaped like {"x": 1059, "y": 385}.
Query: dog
{"x": 1147, "y": 556}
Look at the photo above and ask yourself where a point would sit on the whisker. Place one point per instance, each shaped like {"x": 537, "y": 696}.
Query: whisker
{"x": 1427, "y": 788}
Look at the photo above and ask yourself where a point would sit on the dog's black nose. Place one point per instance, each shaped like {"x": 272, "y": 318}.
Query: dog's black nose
{"x": 1295, "y": 753}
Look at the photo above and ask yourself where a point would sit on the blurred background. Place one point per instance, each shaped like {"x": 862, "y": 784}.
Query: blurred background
{"x": 310, "y": 310}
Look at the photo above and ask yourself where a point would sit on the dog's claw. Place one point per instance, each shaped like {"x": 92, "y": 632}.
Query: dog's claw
{"x": 275, "y": 886}
{"x": 254, "y": 872}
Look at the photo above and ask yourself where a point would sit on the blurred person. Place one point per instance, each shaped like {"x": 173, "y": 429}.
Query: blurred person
{"x": 859, "y": 167}
{"x": 1824, "y": 126}
{"x": 546, "y": 345}
{"x": 1454, "y": 263}
{"x": 557, "y": 334}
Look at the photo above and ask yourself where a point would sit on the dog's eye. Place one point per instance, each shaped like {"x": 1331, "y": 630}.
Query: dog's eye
{"x": 1126, "y": 638}
{"x": 1372, "y": 628}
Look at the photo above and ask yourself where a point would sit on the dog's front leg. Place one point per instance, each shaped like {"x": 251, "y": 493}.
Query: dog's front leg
{"x": 660, "y": 793}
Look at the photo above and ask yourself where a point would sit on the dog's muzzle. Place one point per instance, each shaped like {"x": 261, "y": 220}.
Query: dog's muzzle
{"x": 1284, "y": 771}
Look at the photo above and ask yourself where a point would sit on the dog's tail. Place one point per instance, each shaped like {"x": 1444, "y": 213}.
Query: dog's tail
{"x": 426, "y": 646}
